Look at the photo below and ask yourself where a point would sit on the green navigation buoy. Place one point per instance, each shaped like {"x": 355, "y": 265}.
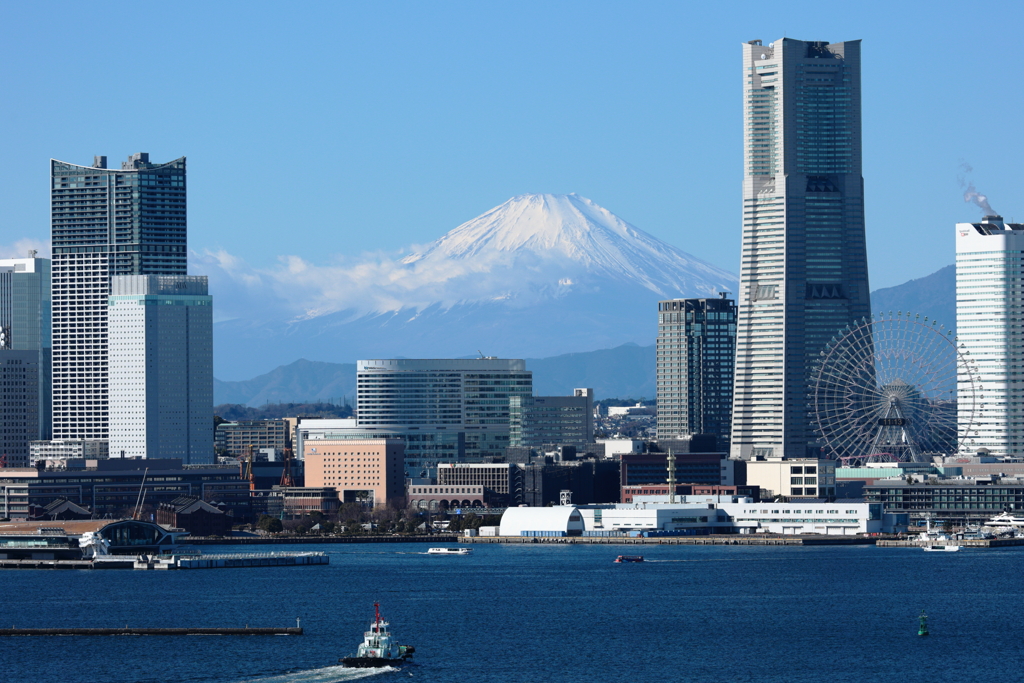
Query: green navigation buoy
{"x": 922, "y": 630}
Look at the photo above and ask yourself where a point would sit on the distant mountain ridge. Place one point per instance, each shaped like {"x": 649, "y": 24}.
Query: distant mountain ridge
{"x": 625, "y": 371}
{"x": 538, "y": 276}
{"x": 932, "y": 295}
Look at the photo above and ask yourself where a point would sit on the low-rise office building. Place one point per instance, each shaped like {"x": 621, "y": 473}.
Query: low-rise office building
{"x": 425, "y": 447}
{"x": 500, "y": 478}
{"x": 235, "y": 438}
{"x": 367, "y": 471}
{"x": 537, "y": 421}
{"x": 630, "y": 494}
{"x": 962, "y": 501}
{"x": 56, "y": 453}
{"x": 585, "y": 481}
{"x": 793, "y": 478}
{"x": 114, "y": 488}
{"x": 434, "y": 497}
{"x": 691, "y": 468}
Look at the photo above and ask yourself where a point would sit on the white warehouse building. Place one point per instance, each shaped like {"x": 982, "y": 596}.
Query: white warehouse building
{"x": 740, "y": 515}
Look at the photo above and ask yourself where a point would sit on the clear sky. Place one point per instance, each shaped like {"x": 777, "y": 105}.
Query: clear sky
{"x": 327, "y": 129}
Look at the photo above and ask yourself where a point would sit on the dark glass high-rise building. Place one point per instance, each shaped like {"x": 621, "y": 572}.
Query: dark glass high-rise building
{"x": 104, "y": 222}
{"x": 803, "y": 270}
{"x": 695, "y": 354}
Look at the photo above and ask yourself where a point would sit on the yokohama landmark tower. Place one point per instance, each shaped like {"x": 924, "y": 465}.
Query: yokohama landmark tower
{"x": 803, "y": 272}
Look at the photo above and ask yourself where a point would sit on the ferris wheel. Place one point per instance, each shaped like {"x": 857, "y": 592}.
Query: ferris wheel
{"x": 886, "y": 389}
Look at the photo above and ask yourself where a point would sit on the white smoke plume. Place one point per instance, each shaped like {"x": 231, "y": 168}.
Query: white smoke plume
{"x": 971, "y": 194}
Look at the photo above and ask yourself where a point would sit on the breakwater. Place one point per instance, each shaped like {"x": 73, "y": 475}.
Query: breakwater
{"x": 293, "y": 540}
{"x": 247, "y": 631}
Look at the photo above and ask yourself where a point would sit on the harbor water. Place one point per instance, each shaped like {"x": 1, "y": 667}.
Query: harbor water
{"x": 545, "y": 613}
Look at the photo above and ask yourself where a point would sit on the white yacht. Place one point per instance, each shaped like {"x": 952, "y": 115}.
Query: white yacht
{"x": 1006, "y": 520}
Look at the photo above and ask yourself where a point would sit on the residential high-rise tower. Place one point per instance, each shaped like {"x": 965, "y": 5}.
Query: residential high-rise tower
{"x": 104, "y": 222}
{"x": 803, "y": 270}
{"x": 989, "y": 319}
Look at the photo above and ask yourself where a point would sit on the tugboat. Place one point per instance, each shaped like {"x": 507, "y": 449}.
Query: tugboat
{"x": 379, "y": 647}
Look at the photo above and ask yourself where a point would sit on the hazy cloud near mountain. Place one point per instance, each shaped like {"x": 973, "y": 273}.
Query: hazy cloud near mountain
{"x": 530, "y": 249}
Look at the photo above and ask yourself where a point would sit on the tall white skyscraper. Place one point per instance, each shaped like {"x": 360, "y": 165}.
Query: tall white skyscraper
{"x": 104, "y": 222}
{"x": 161, "y": 368}
{"x": 803, "y": 270}
{"x": 989, "y": 315}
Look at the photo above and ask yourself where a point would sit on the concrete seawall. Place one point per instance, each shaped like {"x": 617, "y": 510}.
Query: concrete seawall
{"x": 247, "y": 631}
{"x": 293, "y": 540}
{"x": 678, "y": 540}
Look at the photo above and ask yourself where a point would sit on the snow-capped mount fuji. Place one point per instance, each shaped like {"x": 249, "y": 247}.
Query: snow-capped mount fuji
{"x": 572, "y": 232}
{"x": 537, "y": 276}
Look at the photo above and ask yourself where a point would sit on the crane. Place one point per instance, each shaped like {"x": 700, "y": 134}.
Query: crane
{"x": 286, "y": 471}
{"x": 248, "y": 471}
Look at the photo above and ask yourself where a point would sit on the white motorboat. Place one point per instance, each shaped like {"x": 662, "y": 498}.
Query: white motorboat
{"x": 936, "y": 548}
{"x": 449, "y": 551}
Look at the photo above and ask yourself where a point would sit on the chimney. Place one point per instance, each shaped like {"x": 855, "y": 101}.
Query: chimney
{"x": 994, "y": 220}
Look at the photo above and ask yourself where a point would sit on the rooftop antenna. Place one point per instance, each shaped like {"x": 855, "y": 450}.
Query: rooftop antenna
{"x": 671, "y": 477}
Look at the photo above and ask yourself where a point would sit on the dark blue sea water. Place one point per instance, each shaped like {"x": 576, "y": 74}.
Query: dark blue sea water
{"x": 542, "y": 613}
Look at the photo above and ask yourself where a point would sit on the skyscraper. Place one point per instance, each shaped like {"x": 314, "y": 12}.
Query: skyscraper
{"x": 25, "y": 326}
{"x": 989, "y": 316}
{"x": 803, "y": 270}
{"x": 695, "y": 355}
{"x": 104, "y": 223}
{"x": 161, "y": 368}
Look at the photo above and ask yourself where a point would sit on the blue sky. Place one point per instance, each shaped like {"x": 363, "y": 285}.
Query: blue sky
{"x": 332, "y": 129}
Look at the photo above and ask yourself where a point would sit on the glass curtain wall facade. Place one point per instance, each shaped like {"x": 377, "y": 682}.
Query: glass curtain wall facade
{"x": 104, "y": 222}
{"x": 402, "y": 396}
{"x": 537, "y": 421}
{"x": 803, "y": 270}
{"x": 695, "y": 355}
{"x": 989, "y": 313}
{"x": 161, "y": 368}
{"x": 25, "y": 326}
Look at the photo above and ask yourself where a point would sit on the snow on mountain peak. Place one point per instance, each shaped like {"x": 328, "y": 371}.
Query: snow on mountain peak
{"x": 532, "y": 250}
{"x": 575, "y": 232}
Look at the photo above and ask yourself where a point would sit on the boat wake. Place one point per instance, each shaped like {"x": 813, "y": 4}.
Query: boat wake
{"x": 328, "y": 674}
